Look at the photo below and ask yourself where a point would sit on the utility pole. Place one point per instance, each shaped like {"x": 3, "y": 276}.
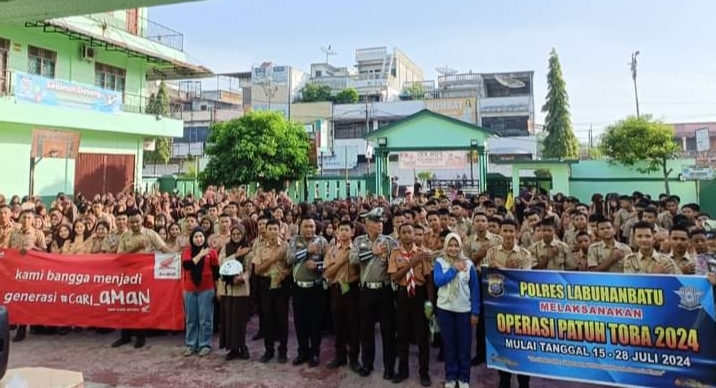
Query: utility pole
{"x": 633, "y": 64}
{"x": 591, "y": 138}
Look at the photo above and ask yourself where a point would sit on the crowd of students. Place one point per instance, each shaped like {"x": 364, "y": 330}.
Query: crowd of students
{"x": 410, "y": 267}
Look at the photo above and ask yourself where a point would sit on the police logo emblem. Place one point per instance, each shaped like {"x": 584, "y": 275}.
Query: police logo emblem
{"x": 113, "y": 239}
{"x": 690, "y": 298}
{"x": 496, "y": 285}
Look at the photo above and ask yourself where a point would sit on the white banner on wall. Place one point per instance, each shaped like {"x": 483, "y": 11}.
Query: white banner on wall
{"x": 433, "y": 160}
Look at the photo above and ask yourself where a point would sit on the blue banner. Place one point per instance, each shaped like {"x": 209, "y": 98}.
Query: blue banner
{"x": 52, "y": 92}
{"x": 602, "y": 328}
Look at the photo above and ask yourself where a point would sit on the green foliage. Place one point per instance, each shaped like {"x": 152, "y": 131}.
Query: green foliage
{"x": 259, "y": 147}
{"x": 315, "y": 93}
{"x": 560, "y": 142}
{"x": 416, "y": 91}
{"x": 425, "y": 175}
{"x": 641, "y": 143}
{"x": 159, "y": 105}
{"x": 347, "y": 96}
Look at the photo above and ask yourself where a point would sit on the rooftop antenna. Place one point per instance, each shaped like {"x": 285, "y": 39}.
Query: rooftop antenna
{"x": 328, "y": 51}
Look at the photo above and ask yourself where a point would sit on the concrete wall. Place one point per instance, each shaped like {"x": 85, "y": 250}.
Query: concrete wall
{"x": 596, "y": 176}
{"x": 54, "y": 175}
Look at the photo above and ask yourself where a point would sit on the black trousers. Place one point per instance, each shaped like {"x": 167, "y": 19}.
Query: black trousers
{"x": 480, "y": 341}
{"x": 377, "y": 306}
{"x": 506, "y": 380}
{"x": 274, "y": 313}
{"x": 308, "y": 312}
{"x": 127, "y": 334}
{"x": 344, "y": 308}
{"x": 412, "y": 325}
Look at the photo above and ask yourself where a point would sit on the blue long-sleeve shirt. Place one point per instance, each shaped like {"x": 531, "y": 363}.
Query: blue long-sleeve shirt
{"x": 467, "y": 297}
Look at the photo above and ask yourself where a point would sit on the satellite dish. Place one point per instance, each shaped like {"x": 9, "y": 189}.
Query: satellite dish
{"x": 509, "y": 82}
{"x": 445, "y": 70}
{"x": 328, "y": 51}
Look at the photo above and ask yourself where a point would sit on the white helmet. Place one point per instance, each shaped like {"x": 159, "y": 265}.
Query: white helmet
{"x": 231, "y": 268}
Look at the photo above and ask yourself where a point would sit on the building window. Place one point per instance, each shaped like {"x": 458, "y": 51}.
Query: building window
{"x": 41, "y": 62}
{"x": 4, "y": 49}
{"x": 508, "y": 125}
{"x": 109, "y": 77}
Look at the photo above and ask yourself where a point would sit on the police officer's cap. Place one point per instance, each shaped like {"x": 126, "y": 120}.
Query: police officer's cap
{"x": 374, "y": 215}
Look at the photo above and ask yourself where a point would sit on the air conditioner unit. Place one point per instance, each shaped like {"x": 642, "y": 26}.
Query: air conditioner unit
{"x": 89, "y": 53}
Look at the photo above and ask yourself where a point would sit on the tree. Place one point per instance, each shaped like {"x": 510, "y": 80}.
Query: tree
{"x": 641, "y": 143}
{"x": 560, "y": 142}
{"x": 347, "y": 96}
{"x": 159, "y": 105}
{"x": 259, "y": 147}
{"x": 315, "y": 93}
{"x": 416, "y": 91}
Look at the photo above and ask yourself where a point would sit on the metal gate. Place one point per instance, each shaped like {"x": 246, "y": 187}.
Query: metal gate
{"x": 103, "y": 173}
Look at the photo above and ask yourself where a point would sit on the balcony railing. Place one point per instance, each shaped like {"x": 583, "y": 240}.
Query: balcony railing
{"x": 137, "y": 103}
{"x": 145, "y": 28}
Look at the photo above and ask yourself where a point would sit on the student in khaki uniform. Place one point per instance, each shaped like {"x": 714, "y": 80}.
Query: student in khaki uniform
{"x": 269, "y": 261}
{"x": 138, "y": 239}
{"x": 528, "y": 234}
{"x": 679, "y": 243}
{"x": 476, "y": 245}
{"x": 432, "y": 235}
{"x": 26, "y": 238}
{"x": 115, "y": 236}
{"x": 410, "y": 268}
{"x": 646, "y": 259}
{"x": 580, "y": 221}
{"x": 512, "y": 256}
{"x": 343, "y": 279}
{"x": 550, "y": 253}
{"x": 608, "y": 254}
{"x": 7, "y": 227}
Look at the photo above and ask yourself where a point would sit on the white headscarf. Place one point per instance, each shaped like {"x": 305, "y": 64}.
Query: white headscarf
{"x": 452, "y": 286}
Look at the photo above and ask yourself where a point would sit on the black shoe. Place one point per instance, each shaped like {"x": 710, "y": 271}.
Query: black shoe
{"x": 266, "y": 357}
{"x": 120, "y": 342}
{"x": 300, "y": 359}
{"x": 257, "y": 336}
{"x": 388, "y": 375}
{"x": 13, "y": 327}
{"x": 104, "y": 331}
{"x": 477, "y": 361}
{"x": 64, "y": 331}
{"x": 425, "y": 380}
{"x": 313, "y": 362}
{"x": 337, "y": 363}
{"x": 20, "y": 334}
{"x": 400, "y": 377}
{"x": 357, "y": 368}
{"x": 244, "y": 353}
{"x": 282, "y": 359}
{"x": 140, "y": 343}
{"x": 232, "y": 355}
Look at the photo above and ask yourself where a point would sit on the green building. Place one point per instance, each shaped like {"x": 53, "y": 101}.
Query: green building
{"x": 73, "y": 97}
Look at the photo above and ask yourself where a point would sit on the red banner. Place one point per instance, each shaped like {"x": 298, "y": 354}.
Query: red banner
{"x": 128, "y": 291}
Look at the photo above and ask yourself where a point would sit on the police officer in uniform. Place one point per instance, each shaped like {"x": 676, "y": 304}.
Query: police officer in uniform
{"x": 305, "y": 254}
{"x": 372, "y": 251}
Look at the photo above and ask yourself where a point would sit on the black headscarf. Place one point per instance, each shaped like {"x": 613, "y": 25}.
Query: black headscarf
{"x": 196, "y": 271}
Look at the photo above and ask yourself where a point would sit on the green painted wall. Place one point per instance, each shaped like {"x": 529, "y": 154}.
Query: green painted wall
{"x": 54, "y": 175}
{"x": 70, "y": 66}
{"x": 596, "y": 176}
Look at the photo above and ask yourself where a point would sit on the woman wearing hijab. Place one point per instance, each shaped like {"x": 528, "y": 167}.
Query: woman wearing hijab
{"x": 458, "y": 309}
{"x": 235, "y": 297}
{"x": 201, "y": 268}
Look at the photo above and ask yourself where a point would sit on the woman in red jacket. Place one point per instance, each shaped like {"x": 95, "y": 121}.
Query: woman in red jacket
{"x": 201, "y": 269}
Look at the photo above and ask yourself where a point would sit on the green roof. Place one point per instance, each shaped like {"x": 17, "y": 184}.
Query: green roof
{"x": 424, "y": 113}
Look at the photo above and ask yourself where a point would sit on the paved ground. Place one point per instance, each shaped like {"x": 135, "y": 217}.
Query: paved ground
{"x": 160, "y": 364}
